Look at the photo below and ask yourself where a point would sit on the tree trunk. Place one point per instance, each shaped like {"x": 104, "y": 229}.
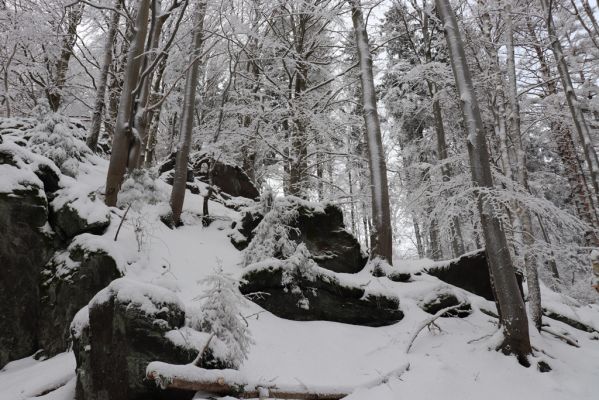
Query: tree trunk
{"x": 573, "y": 104}
{"x": 92, "y": 139}
{"x": 142, "y": 115}
{"x": 530, "y": 261}
{"x": 513, "y": 312}
{"x": 123, "y": 135}
{"x": 54, "y": 93}
{"x": 191, "y": 83}
{"x": 457, "y": 244}
{"x": 566, "y": 148}
{"x": 382, "y": 246}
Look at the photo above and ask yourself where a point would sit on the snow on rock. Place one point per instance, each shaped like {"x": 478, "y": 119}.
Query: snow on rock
{"x": 150, "y": 299}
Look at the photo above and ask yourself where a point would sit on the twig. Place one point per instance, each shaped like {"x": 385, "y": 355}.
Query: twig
{"x": 116, "y": 235}
{"x": 200, "y": 355}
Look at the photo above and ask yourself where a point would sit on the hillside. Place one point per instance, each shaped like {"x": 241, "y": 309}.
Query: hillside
{"x": 450, "y": 358}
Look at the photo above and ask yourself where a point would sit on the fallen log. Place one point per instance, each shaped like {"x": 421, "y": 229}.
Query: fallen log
{"x": 229, "y": 382}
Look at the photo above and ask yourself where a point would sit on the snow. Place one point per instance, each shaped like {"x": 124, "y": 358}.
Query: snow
{"x": 28, "y": 378}
{"x": 144, "y": 295}
{"x": 456, "y": 362}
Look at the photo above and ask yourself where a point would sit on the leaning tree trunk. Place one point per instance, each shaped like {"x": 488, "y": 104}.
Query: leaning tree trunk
{"x": 123, "y": 135}
{"x": 530, "y": 262}
{"x": 382, "y": 241}
{"x": 513, "y": 312}
{"x": 578, "y": 118}
{"x": 184, "y": 145}
{"x": 94, "y": 134}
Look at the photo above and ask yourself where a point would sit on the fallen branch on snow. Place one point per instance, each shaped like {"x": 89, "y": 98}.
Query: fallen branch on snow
{"x": 560, "y": 336}
{"x": 428, "y": 322}
{"x": 230, "y": 382}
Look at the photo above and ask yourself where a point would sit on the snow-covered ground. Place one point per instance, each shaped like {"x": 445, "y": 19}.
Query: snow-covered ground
{"x": 453, "y": 360}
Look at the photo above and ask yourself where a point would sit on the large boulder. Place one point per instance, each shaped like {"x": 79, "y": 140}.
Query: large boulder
{"x": 445, "y": 297}
{"x": 26, "y": 245}
{"x": 229, "y": 178}
{"x": 69, "y": 281}
{"x": 469, "y": 272}
{"x": 316, "y": 295}
{"x": 71, "y": 216}
{"x": 321, "y": 229}
{"x": 125, "y": 327}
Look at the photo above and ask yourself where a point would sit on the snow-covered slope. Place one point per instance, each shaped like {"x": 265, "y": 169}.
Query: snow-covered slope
{"x": 453, "y": 359}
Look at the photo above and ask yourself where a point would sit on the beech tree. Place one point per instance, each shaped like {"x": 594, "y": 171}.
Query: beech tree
{"x": 381, "y": 237}
{"x": 184, "y": 145}
{"x": 509, "y": 301}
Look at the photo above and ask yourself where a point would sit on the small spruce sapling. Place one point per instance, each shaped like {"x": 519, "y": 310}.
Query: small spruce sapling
{"x": 137, "y": 192}
{"x": 271, "y": 236}
{"x": 221, "y": 316}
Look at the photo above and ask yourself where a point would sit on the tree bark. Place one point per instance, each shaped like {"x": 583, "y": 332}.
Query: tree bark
{"x": 382, "y": 240}
{"x": 578, "y": 118}
{"x": 54, "y": 93}
{"x": 123, "y": 135}
{"x": 530, "y": 262}
{"x": 191, "y": 83}
{"x": 513, "y": 312}
{"x": 94, "y": 134}
{"x": 142, "y": 115}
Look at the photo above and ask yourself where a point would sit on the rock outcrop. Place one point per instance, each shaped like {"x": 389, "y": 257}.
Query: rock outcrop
{"x": 125, "y": 327}
{"x": 229, "y": 179}
{"x": 322, "y": 231}
{"x": 444, "y": 298}
{"x": 317, "y": 295}
{"x": 76, "y": 216}
{"x": 69, "y": 282}
{"x": 469, "y": 272}
{"x": 25, "y": 247}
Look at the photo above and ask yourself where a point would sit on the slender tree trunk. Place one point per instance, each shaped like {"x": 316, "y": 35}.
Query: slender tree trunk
{"x": 530, "y": 262}
{"x": 383, "y": 241}
{"x": 418, "y": 234}
{"x": 94, "y": 134}
{"x": 142, "y": 114}
{"x": 154, "y": 117}
{"x": 513, "y": 312}
{"x": 54, "y": 92}
{"x": 457, "y": 244}
{"x": 573, "y": 104}
{"x": 191, "y": 83}
{"x": 566, "y": 148}
{"x": 123, "y": 136}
